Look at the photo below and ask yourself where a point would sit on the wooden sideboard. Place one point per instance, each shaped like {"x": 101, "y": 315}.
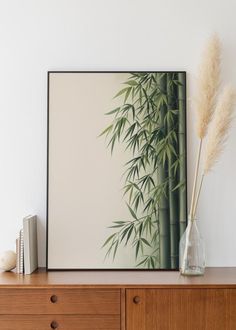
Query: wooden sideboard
{"x": 118, "y": 300}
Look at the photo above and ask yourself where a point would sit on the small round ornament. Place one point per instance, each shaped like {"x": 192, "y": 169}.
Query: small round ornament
{"x": 7, "y": 260}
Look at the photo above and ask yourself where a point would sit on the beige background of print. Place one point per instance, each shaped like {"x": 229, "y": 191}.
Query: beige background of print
{"x": 85, "y": 181}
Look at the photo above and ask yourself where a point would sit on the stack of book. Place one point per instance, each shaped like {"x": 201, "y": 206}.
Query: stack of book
{"x": 27, "y": 246}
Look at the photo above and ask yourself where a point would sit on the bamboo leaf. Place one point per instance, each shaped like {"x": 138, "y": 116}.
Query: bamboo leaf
{"x": 109, "y": 239}
{"x": 129, "y": 234}
{"x": 124, "y": 233}
{"x": 116, "y": 226}
{"x": 137, "y": 249}
{"x": 127, "y": 94}
{"x": 113, "y": 111}
{"x": 137, "y": 201}
{"x": 115, "y": 250}
{"x": 149, "y": 204}
{"x": 179, "y": 185}
{"x": 124, "y": 90}
{"x": 129, "y": 131}
{"x": 142, "y": 262}
{"x": 172, "y": 150}
{"x": 107, "y": 130}
{"x": 132, "y": 212}
{"x": 131, "y": 83}
{"x": 112, "y": 142}
{"x": 152, "y": 263}
{"x": 177, "y": 82}
{"x": 140, "y": 229}
{"x": 145, "y": 241}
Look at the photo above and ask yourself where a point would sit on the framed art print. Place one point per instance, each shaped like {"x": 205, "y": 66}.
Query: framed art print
{"x": 116, "y": 193}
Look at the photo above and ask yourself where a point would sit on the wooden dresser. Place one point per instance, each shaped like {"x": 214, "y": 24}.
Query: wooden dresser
{"x": 112, "y": 300}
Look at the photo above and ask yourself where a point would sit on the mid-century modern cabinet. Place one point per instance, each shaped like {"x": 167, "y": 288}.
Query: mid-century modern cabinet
{"x": 113, "y": 300}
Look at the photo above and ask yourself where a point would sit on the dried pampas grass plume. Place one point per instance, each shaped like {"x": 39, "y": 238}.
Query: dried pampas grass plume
{"x": 219, "y": 128}
{"x": 208, "y": 83}
{"x": 217, "y": 134}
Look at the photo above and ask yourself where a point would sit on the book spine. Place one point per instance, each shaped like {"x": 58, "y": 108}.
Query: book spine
{"x": 18, "y": 255}
{"x": 30, "y": 244}
{"x": 26, "y": 246}
{"x": 21, "y": 268}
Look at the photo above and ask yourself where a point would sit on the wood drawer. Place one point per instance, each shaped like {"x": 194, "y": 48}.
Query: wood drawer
{"x": 59, "y": 301}
{"x": 66, "y": 322}
{"x": 185, "y": 309}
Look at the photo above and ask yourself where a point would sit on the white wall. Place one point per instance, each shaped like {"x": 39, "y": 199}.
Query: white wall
{"x": 36, "y": 36}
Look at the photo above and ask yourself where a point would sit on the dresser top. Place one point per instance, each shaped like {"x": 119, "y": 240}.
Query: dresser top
{"x": 214, "y": 277}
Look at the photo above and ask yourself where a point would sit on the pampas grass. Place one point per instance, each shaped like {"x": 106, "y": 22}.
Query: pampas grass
{"x": 208, "y": 83}
{"x": 218, "y": 133}
{"x": 220, "y": 127}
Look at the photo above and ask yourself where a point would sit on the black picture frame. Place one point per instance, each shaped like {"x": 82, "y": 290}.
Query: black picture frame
{"x": 48, "y": 157}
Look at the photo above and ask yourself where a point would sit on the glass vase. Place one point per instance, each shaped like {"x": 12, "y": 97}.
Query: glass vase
{"x": 192, "y": 251}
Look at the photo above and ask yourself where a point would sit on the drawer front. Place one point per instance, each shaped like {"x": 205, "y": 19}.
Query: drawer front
{"x": 66, "y": 322}
{"x": 59, "y": 301}
{"x": 185, "y": 309}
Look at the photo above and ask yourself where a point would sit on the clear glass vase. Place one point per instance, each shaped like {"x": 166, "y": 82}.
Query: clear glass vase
{"x": 192, "y": 251}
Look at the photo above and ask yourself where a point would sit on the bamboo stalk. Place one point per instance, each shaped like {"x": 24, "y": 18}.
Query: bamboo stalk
{"x": 182, "y": 154}
{"x": 173, "y": 194}
{"x": 191, "y": 212}
{"x": 163, "y": 210}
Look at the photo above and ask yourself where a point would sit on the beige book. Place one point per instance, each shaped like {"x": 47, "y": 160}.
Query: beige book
{"x": 30, "y": 244}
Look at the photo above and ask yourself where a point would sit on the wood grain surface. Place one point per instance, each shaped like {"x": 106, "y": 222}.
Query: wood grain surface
{"x": 65, "y": 322}
{"x": 75, "y": 301}
{"x": 181, "y": 309}
{"x": 125, "y": 300}
{"x": 214, "y": 277}
{"x": 123, "y": 309}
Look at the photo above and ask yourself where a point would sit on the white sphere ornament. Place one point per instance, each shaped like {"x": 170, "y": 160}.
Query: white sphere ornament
{"x": 7, "y": 260}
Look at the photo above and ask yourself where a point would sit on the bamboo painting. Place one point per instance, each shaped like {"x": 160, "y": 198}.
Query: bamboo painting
{"x": 151, "y": 122}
